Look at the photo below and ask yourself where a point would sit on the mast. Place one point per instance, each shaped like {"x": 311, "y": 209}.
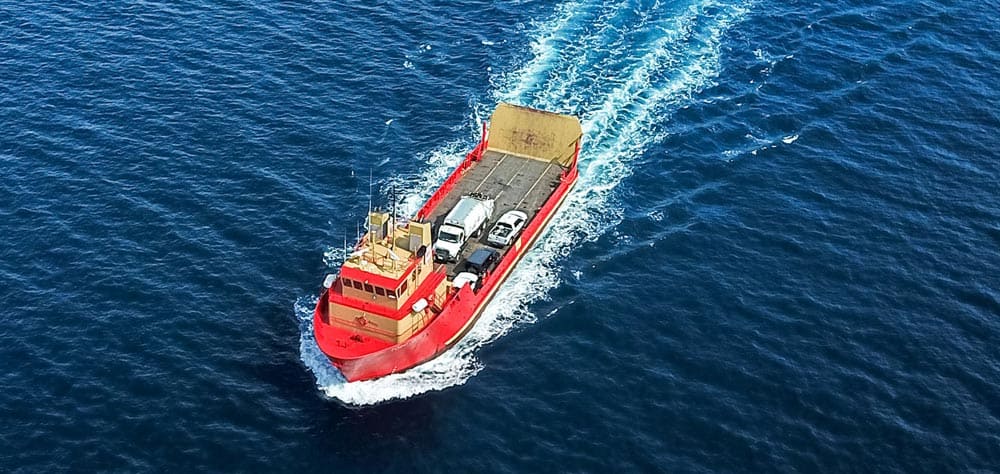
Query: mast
{"x": 368, "y": 222}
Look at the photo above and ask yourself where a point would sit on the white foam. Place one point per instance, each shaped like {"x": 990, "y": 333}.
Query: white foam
{"x": 621, "y": 116}
{"x": 334, "y": 256}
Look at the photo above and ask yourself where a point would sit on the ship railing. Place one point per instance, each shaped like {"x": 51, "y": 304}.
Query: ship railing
{"x": 571, "y": 171}
{"x": 473, "y": 156}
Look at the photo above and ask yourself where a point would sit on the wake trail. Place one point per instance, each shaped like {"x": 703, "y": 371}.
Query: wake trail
{"x": 623, "y": 70}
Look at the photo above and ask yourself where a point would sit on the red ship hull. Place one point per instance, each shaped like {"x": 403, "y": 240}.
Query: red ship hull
{"x": 457, "y": 314}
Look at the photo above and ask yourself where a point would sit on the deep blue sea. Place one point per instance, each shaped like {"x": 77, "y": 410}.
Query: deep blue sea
{"x": 783, "y": 253}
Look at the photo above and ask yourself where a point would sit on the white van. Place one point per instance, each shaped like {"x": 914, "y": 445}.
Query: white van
{"x": 465, "y": 220}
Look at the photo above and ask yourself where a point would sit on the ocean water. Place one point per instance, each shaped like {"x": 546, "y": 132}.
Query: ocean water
{"x": 782, "y": 253}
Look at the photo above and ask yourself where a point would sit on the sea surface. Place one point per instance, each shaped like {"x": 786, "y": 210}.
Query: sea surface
{"x": 783, "y": 253}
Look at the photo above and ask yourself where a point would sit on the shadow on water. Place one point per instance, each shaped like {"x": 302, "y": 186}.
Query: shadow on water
{"x": 365, "y": 434}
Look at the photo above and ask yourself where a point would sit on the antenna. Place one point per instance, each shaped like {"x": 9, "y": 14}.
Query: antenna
{"x": 395, "y": 199}
{"x": 392, "y": 229}
{"x": 368, "y": 218}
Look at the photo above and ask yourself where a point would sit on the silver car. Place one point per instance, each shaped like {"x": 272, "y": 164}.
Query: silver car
{"x": 507, "y": 228}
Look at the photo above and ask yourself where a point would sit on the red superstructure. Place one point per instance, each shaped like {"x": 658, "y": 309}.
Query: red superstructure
{"x": 393, "y": 306}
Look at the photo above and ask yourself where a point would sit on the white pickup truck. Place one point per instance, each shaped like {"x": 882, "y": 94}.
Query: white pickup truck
{"x": 465, "y": 220}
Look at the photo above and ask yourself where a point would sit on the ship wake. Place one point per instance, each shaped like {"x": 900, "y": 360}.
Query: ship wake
{"x": 623, "y": 70}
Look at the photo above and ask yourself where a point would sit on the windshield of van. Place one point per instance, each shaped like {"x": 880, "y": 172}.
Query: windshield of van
{"x": 448, "y": 237}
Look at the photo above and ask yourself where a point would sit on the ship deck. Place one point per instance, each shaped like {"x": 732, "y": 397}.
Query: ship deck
{"x": 516, "y": 183}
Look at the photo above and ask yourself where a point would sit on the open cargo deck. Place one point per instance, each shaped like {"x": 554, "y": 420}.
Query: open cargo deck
{"x": 516, "y": 183}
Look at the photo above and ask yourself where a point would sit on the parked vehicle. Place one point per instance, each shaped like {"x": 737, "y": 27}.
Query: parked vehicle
{"x": 466, "y": 278}
{"x": 465, "y": 220}
{"x": 482, "y": 260}
{"x": 507, "y": 228}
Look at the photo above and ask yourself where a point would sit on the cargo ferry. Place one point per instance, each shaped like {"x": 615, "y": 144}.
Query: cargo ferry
{"x": 411, "y": 289}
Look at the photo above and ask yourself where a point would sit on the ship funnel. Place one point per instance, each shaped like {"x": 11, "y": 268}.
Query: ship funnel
{"x": 420, "y": 235}
{"x": 380, "y": 223}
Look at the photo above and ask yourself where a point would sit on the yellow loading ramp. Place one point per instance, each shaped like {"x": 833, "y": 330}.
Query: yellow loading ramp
{"x": 532, "y": 133}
